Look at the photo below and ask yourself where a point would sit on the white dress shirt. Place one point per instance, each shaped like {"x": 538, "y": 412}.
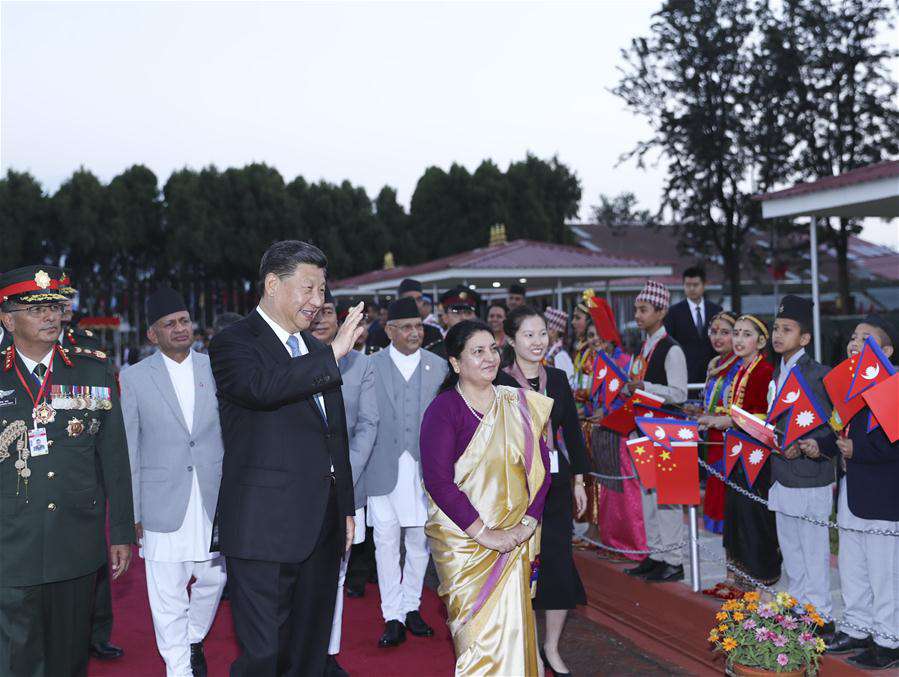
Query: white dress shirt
{"x": 190, "y": 543}
{"x": 283, "y": 335}
{"x": 675, "y": 370}
{"x": 786, "y": 367}
{"x": 31, "y": 364}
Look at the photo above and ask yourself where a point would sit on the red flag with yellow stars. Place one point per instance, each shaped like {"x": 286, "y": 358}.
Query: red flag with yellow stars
{"x": 643, "y": 451}
{"x": 677, "y": 474}
{"x": 883, "y": 401}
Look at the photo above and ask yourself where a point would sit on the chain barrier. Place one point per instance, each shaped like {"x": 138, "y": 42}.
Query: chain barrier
{"x": 612, "y": 477}
{"x": 821, "y": 523}
{"x": 600, "y": 544}
{"x": 758, "y": 584}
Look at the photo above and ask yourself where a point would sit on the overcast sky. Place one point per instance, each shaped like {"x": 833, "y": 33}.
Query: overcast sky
{"x": 370, "y": 92}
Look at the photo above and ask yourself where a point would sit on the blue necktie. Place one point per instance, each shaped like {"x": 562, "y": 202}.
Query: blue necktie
{"x": 294, "y": 344}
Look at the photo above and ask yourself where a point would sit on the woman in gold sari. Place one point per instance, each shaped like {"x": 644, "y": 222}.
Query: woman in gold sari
{"x": 486, "y": 470}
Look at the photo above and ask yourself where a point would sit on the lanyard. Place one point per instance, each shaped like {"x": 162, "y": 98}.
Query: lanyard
{"x": 41, "y": 391}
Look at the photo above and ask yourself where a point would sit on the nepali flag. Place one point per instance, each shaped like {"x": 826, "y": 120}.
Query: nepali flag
{"x": 754, "y": 426}
{"x": 805, "y": 414}
{"x": 666, "y": 431}
{"x": 641, "y": 403}
{"x": 873, "y": 367}
{"x": 608, "y": 378}
{"x": 836, "y": 383}
{"x": 742, "y": 448}
{"x": 883, "y": 401}
{"x": 677, "y": 474}
{"x": 643, "y": 452}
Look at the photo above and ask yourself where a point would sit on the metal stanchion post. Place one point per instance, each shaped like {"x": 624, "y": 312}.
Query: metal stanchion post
{"x": 694, "y": 551}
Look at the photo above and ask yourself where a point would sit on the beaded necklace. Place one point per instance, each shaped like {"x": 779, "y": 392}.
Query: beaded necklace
{"x": 471, "y": 408}
{"x": 741, "y": 382}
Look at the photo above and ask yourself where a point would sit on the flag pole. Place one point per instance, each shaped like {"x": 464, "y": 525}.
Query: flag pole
{"x": 694, "y": 551}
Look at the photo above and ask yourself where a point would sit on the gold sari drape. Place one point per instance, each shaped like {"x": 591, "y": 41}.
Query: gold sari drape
{"x": 488, "y": 594}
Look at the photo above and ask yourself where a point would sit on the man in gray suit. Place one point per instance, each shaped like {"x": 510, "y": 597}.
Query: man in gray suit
{"x": 406, "y": 379}
{"x": 175, "y": 444}
{"x": 361, "y": 406}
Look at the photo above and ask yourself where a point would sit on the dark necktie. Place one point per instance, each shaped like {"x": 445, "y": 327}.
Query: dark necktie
{"x": 699, "y": 323}
{"x": 38, "y": 373}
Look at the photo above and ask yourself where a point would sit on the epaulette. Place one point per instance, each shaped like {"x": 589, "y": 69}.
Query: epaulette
{"x": 87, "y": 352}
{"x": 88, "y": 333}
{"x": 64, "y": 354}
{"x": 10, "y": 353}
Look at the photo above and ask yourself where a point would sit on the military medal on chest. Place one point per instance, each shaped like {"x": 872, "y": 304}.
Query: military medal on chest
{"x": 43, "y": 414}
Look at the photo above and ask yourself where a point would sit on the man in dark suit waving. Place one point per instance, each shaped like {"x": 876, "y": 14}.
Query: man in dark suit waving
{"x": 688, "y": 323}
{"x": 286, "y": 502}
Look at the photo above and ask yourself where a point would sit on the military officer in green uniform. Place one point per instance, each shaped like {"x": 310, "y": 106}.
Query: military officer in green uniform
{"x": 60, "y": 426}
{"x": 101, "y": 620}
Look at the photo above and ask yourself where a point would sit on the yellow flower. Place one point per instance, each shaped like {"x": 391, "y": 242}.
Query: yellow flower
{"x": 713, "y": 636}
{"x": 792, "y": 602}
{"x": 721, "y": 616}
{"x": 729, "y": 644}
{"x": 782, "y": 598}
{"x": 817, "y": 619}
{"x": 739, "y": 617}
{"x": 729, "y": 605}
{"x": 810, "y": 608}
{"x": 751, "y": 596}
{"x": 819, "y": 645}
{"x": 722, "y": 628}
{"x": 752, "y": 607}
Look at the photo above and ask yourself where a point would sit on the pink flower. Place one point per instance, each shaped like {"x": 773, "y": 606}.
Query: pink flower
{"x": 782, "y": 659}
{"x": 761, "y": 634}
{"x": 748, "y": 624}
{"x": 765, "y": 611}
{"x": 779, "y": 640}
{"x": 789, "y": 623}
{"x": 806, "y": 637}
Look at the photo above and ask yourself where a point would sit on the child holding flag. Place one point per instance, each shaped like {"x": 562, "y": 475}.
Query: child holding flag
{"x": 869, "y": 499}
{"x": 803, "y": 473}
{"x": 750, "y": 534}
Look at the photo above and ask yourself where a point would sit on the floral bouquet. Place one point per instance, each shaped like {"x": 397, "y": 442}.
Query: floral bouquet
{"x": 776, "y": 635}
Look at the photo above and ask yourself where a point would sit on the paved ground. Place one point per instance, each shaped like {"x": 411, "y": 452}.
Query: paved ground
{"x": 590, "y": 649}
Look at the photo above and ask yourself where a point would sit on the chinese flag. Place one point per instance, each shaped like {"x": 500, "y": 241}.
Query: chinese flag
{"x": 883, "y": 400}
{"x": 836, "y": 383}
{"x": 797, "y": 401}
{"x": 873, "y": 367}
{"x": 643, "y": 451}
{"x": 677, "y": 474}
{"x": 755, "y": 427}
{"x": 666, "y": 431}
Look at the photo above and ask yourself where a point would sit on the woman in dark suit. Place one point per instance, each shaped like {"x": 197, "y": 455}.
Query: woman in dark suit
{"x": 559, "y": 587}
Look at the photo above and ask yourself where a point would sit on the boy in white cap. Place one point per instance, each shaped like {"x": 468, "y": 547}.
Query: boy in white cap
{"x": 659, "y": 368}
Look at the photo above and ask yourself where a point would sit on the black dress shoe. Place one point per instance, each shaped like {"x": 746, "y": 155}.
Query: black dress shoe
{"x": 843, "y": 643}
{"x": 547, "y": 665}
{"x": 333, "y": 669}
{"x": 876, "y": 658}
{"x": 355, "y": 590}
{"x": 105, "y": 651}
{"x": 665, "y": 573}
{"x": 197, "y": 660}
{"x": 394, "y": 635}
{"x": 646, "y": 566}
{"x": 417, "y": 626}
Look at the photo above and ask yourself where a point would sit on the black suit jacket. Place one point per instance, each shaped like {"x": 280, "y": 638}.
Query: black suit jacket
{"x": 681, "y": 326}
{"x": 278, "y": 448}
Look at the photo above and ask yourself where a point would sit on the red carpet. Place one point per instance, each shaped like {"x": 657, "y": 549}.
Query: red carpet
{"x": 359, "y": 653}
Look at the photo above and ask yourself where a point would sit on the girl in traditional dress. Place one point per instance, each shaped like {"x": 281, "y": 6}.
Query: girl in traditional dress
{"x": 487, "y": 472}
{"x": 750, "y": 534}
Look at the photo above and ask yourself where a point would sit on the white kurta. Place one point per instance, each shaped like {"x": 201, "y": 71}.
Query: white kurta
{"x": 190, "y": 543}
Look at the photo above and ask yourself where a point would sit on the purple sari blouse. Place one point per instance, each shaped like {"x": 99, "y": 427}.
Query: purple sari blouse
{"x": 446, "y": 430}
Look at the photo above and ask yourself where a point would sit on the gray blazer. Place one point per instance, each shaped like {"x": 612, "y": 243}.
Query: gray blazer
{"x": 805, "y": 472}
{"x": 361, "y": 405}
{"x": 381, "y": 470}
{"x": 164, "y": 455}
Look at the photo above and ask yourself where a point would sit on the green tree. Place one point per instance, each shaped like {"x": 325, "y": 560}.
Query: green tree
{"x": 619, "y": 211}
{"x": 24, "y": 221}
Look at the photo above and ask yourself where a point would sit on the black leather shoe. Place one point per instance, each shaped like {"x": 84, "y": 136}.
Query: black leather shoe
{"x": 876, "y": 658}
{"x": 550, "y": 667}
{"x": 646, "y": 566}
{"x": 394, "y": 635}
{"x": 665, "y": 573}
{"x": 197, "y": 660}
{"x": 843, "y": 643}
{"x": 417, "y": 626}
{"x": 333, "y": 669}
{"x": 106, "y": 651}
{"x": 355, "y": 590}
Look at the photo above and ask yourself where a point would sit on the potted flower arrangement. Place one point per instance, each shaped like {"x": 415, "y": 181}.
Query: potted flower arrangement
{"x": 765, "y": 637}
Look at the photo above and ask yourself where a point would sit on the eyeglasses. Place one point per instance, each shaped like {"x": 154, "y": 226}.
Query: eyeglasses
{"x": 40, "y": 311}
{"x": 408, "y": 327}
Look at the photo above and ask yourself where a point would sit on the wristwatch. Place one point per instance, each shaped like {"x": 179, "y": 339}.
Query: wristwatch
{"x": 528, "y": 521}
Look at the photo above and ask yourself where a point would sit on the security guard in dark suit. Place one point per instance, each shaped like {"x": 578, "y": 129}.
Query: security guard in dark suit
{"x": 101, "y": 621}
{"x": 60, "y": 426}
